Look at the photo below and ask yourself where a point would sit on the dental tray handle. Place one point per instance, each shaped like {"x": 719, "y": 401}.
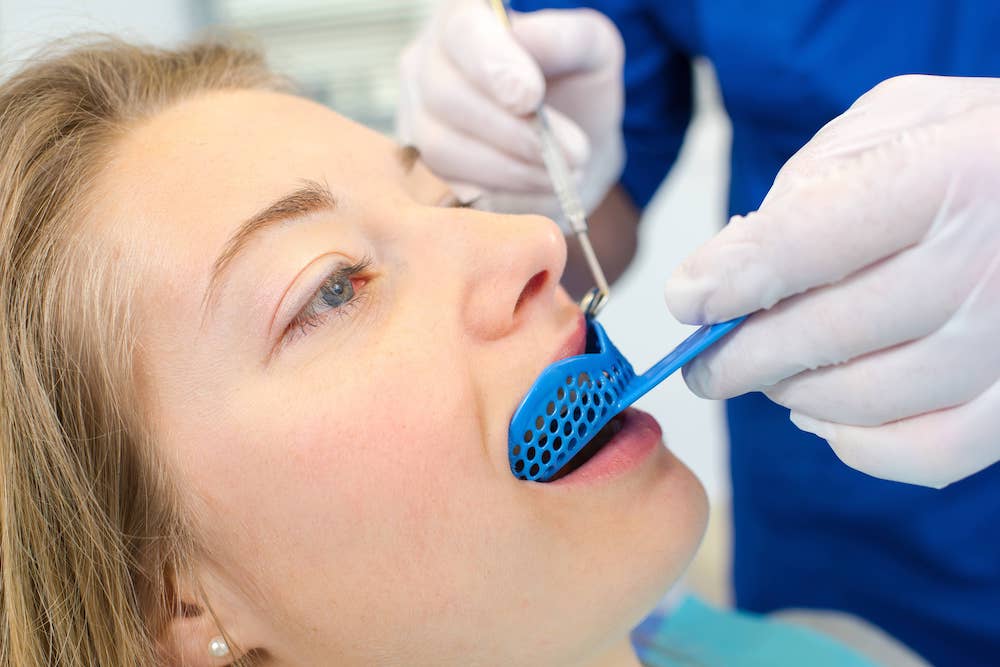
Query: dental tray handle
{"x": 688, "y": 349}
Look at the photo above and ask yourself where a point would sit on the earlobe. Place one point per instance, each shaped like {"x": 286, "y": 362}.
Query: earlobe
{"x": 193, "y": 634}
{"x": 218, "y": 647}
{"x": 192, "y": 638}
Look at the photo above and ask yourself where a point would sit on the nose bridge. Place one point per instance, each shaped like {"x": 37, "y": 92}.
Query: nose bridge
{"x": 507, "y": 262}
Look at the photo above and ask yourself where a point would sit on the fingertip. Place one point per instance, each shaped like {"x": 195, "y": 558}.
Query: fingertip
{"x": 518, "y": 88}
{"x": 686, "y": 295}
{"x": 695, "y": 378}
{"x": 872, "y": 452}
{"x": 809, "y": 425}
{"x": 734, "y": 274}
{"x": 710, "y": 377}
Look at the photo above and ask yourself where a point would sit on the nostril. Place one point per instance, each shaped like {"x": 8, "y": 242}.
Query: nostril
{"x": 531, "y": 288}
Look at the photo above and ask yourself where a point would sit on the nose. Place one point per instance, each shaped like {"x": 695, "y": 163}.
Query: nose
{"x": 512, "y": 265}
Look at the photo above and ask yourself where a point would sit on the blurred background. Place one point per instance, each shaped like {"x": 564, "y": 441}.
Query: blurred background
{"x": 343, "y": 53}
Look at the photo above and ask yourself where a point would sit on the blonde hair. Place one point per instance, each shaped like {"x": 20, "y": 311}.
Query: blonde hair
{"x": 91, "y": 531}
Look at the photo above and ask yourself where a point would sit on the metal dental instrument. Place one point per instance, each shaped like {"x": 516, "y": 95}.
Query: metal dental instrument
{"x": 565, "y": 190}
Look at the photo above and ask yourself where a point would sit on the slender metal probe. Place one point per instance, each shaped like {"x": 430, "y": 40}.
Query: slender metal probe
{"x": 566, "y": 193}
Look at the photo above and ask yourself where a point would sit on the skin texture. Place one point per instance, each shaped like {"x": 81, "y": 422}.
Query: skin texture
{"x": 350, "y": 479}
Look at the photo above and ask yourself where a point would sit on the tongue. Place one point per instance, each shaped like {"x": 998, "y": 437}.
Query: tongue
{"x": 603, "y": 437}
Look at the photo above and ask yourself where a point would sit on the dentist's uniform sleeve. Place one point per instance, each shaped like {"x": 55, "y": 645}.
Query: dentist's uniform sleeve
{"x": 658, "y": 85}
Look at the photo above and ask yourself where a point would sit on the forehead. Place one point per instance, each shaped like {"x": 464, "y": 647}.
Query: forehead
{"x": 180, "y": 182}
{"x": 228, "y": 153}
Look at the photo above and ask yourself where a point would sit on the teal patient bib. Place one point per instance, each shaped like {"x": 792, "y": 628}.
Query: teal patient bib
{"x": 696, "y": 635}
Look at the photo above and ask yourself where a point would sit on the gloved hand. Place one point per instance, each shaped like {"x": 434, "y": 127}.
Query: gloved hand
{"x": 876, "y": 260}
{"x": 468, "y": 87}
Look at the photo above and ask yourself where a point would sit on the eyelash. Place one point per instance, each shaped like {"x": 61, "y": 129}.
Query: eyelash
{"x": 312, "y": 316}
{"x": 316, "y": 311}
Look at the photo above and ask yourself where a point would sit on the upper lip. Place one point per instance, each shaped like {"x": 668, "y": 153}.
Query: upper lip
{"x": 575, "y": 343}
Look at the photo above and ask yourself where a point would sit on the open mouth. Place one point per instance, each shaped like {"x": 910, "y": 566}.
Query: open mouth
{"x": 596, "y": 444}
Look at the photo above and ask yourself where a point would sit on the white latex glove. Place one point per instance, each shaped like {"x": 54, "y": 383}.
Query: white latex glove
{"x": 468, "y": 87}
{"x": 876, "y": 259}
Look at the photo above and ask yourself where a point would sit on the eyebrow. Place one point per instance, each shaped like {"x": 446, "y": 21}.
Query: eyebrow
{"x": 309, "y": 198}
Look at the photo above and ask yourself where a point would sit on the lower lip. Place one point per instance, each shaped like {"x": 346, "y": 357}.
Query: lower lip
{"x": 639, "y": 438}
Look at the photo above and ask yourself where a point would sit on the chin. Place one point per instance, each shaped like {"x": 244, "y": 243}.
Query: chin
{"x": 615, "y": 543}
{"x": 648, "y": 549}
{"x": 673, "y": 521}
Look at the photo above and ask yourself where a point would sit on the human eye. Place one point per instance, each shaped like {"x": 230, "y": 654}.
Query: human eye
{"x": 339, "y": 294}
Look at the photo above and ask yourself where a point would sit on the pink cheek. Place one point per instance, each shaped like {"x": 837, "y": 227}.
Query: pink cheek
{"x": 398, "y": 462}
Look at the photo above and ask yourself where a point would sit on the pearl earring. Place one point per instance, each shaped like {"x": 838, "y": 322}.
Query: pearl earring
{"x": 218, "y": 648}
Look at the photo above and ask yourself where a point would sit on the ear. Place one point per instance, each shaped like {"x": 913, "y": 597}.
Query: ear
{"x": 187, "y": 638}
{"x": 199, "y": 609}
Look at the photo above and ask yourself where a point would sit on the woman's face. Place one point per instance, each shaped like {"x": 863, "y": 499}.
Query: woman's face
{"x": 330, "y": 353}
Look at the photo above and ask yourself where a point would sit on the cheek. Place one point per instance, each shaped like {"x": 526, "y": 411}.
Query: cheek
{"x": 322, "y": 473}
{"x": 398, "y": 428}
{"x": 391, "y": 453}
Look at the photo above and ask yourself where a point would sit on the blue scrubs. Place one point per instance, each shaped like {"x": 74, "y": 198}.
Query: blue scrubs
{"x": 809, "y": 532}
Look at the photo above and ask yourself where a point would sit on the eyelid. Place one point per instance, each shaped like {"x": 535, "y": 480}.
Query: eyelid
{"x": 351, "y": 272}
{"x": 300, "y": 292}
{"x": 304, "y": 321}
{"x": 300, "y": 326}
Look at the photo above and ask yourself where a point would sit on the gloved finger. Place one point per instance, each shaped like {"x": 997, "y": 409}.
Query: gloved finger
{"x": 932, "y": 449}
{"x": 900, "y": 104}
{"x": 478, "y": 116}
{"x": 453, "y": 102}
{"x": 582, "y": 55}
{"x": 953, "y": 365}
{"x": 894, "y": 106}
{"x": 900, "y": 299}
{"x": 490, "y": 58}
{"x": 857, "y": 213}
{"x": 459, "y": 157}
{"x": 565, "y": 42}
{"x": 887, "y": 386}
